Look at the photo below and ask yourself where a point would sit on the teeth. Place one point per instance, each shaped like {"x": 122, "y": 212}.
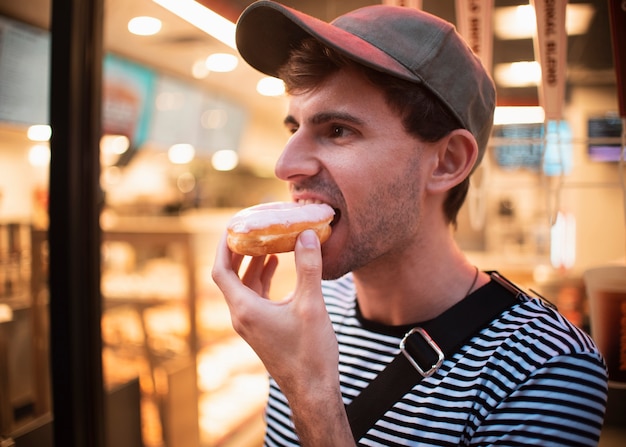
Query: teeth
{"x": 309, "y": 202}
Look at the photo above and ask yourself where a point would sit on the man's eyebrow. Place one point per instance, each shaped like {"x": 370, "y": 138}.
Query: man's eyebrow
{"x": 325, "y": 117}
{"x": 290, "y": 120}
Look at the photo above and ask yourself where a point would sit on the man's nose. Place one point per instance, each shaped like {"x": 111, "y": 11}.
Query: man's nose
{"x": 298, "y": 159}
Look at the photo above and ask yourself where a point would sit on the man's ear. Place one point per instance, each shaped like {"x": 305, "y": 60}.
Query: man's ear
{"x": 456, "y": 155}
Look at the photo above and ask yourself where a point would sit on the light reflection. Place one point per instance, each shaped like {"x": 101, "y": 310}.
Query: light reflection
{"x": 39, "y": 155}
{"x": 225, "y": 160}
{"x": 181, "y": 153}
{"x": 186, "y": 182}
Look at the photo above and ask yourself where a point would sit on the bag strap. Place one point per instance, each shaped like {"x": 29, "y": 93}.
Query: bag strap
{"x": 424, "y": 348}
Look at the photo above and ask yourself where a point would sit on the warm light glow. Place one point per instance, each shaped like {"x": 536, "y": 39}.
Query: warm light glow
{"x": 225, "y": 160}
{"x": 39, "y": 155}
{"x": 563, "y": 241}
{"x": 39, "y": 132}
{"x": 144, "y": 26}
{"x": 519, "y": 22}
{"x": 202, "y": 18}
{"x": 214, "y": 119}
{"x": 270, "y": 86}
{"x": 111, "y": 147}
{"x": 222, "y": 62}
{"x": 515, "y": 22}
{"x": 111, "y": 175}
{"x": 114, "y": 144}
{"x": 518, "y": 74}
{"x": 181, "y": 153}
{"x": 186, "y": 182}
{"x": 199, "y": 69}
{"x": 170, "y": 101}
{"x": 6, "y": 313}
{"x": 519, "y": 115}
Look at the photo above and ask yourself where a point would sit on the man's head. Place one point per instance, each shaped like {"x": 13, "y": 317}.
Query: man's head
{"x": 404, "y": 47}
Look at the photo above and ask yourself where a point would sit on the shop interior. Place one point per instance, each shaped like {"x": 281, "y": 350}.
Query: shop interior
{"x": 185, "y": 144}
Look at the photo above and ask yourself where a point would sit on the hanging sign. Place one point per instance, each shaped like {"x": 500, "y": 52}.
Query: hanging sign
{"x": 475, "y": 24}
{"x": 550, "y": 44}
{"x": 417, "y": 4}
{"x": 617, "y": 12}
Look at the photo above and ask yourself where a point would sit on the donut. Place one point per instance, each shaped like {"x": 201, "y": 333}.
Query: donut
{"x": 274, "y": 227}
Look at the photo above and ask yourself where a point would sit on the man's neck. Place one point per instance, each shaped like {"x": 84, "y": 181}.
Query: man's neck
{"x": 416, "y": 289}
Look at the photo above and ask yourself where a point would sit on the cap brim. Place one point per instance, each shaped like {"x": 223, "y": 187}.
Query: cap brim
{"x": 268, "y": 31}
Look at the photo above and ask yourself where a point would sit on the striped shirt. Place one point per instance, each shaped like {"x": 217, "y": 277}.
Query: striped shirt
{"x": 528, "y": 378}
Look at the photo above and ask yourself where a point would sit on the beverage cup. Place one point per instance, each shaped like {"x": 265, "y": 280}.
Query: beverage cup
{"x": 606, "y": 291}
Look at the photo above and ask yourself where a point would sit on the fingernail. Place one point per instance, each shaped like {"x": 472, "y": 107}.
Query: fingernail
{"x": 309, "y": 239}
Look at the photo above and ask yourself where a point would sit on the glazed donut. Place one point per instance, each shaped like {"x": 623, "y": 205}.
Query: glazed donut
{"x": 274, "y": 227}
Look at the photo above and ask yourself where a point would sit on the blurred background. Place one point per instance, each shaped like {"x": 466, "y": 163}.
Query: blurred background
{"x": 190, "y": 133}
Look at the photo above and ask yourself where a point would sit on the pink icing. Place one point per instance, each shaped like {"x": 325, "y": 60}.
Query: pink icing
{"x": 278, "y": 213}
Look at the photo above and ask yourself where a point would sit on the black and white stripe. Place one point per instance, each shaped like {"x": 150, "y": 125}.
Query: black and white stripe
{"x": 530, "y": 378}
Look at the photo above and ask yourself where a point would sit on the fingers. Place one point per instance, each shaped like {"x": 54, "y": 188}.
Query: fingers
{"x": 308, "y": 264}
{"x": 260, "y": 270}
{"x": 226, "y": 264}
{"x": 258, "y": 275}
{"x": 268, "y": 274}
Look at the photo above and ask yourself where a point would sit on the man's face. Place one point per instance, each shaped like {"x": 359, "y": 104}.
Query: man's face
{"x": 350, "y": 150}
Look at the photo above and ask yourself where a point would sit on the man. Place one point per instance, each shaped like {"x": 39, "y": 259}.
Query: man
{"x": 389, "y": 114}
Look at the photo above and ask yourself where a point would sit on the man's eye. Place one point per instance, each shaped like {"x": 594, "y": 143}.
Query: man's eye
{"x": 338, "y": 131}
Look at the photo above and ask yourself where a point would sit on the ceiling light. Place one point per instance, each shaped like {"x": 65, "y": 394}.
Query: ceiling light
{"x": 519, "y": 22}
{"x": 578, "y": 18}
{"x": 39, "y": 132}
{"x": 144, "y": 26}
{"x": 221, "y": 62}
{"x": 518, "y": 115}
{"x": 517, "y": 74}
{"x": 203, "y": 18}
{"x": 270, "y": 86}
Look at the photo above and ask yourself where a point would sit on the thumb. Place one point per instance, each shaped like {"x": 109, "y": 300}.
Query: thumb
{"x": 308, "y": 257}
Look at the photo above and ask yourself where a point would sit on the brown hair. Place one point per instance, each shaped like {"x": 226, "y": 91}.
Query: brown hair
{"x": 423, "y": 115}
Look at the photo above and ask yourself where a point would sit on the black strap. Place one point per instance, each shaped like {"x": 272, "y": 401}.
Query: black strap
{"x": 450, "y": 331}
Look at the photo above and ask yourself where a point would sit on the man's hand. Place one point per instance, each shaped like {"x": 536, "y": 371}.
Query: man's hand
{"x": 294, "y": 337}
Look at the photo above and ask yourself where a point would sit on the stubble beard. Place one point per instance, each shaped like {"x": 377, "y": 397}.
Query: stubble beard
{"x": 383, "y": 227}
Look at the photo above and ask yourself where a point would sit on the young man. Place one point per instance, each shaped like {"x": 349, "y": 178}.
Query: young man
{"x": 389, "y": 114}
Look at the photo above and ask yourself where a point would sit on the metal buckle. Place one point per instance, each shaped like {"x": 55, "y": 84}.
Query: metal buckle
{"x": 431, "y": 343}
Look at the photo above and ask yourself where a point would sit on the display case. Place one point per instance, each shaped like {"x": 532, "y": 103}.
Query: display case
{"x": 165, "y": 321}
{"x": 149, "y": 323}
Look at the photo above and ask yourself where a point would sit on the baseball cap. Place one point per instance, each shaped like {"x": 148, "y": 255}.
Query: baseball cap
{"x": 404, "y": 42}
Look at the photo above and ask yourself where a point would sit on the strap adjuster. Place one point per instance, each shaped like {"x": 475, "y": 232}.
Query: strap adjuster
{"x": 431, "y": 343}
